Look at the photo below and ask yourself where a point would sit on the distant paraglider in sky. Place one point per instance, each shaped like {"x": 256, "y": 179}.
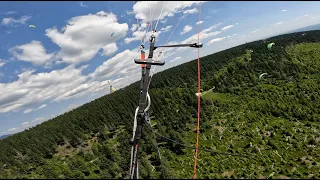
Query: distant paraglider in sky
{"x": 262, "y": 75}
{"x": 32, "y": 26}
{"x": 113, "y": 36}
{"x": 269, "y": 46}
{"x": 112, "y": 89}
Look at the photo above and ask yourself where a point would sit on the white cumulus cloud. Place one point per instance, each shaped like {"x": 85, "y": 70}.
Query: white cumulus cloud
{"x": 12, "y": 129}
{"x": 12, "y": 21}
{"x": 27, "y": 111}
{"x": 199, "y": 22}
{"x": 204, "y": 34}
{"x": 226, "y": 27}
{"x": 134, "y": 27}
{"x": 186, "y": 29}
{"x": 167, "y": 28}
{"x": 120, "y": 64}
{"x": 32, "y": 52}
{"x": 25, "y": 125}
{"x": 31, "y": 110}
{"x": 34, "y": 88}
{"x": 141, "y": 35}
{"x": 9, "y": 12}
{"x": 85, "y": 35}
{"x": 2, "y": 62}
{"x": 190, "y": 11}
{"x": 177, "y": 58}
{"x": 141, "y": 9}
{"x": 216, "y": 40}
{"x": 157, "y": 10}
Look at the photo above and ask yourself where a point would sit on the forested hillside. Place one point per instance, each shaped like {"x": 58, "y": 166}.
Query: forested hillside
{"x": 275, "y": 119}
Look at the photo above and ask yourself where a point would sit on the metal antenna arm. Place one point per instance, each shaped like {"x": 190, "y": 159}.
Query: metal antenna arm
{"x": 195, "y": 45}
{"x": 149, "y": 61}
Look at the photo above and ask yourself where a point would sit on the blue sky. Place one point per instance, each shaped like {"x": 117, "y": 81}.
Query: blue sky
{"x": 68, "y": 59}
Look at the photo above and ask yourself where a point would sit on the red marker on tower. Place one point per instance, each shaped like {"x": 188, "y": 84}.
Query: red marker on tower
{"x": 142, "y": 56}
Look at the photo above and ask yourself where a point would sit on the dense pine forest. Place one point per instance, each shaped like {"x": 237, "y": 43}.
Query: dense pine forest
{"x": 275, "y": 119}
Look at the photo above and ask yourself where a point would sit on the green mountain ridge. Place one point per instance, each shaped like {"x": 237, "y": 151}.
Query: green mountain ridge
{"x": 275, "y": 119}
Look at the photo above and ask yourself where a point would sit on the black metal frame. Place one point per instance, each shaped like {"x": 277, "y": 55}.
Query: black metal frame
{"x": 144, "y": 83}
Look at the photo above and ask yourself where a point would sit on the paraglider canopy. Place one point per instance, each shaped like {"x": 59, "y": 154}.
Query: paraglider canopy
{"x": 32, "y": 26}
{"x": 270, "y": 45}
{"x": 262, "y": 75}
{"x": 112, "y": 35}
{"x": 112, "y": 89}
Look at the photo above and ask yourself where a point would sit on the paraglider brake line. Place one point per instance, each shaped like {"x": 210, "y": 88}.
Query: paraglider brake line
{"x": 143, "y": 107}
